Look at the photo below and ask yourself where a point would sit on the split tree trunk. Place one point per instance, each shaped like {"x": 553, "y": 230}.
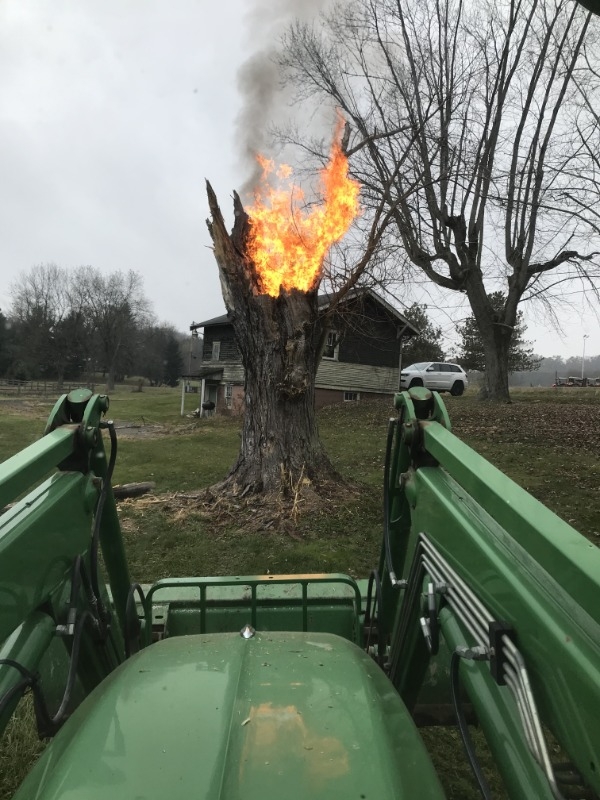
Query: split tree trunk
{"x": 279, "y": 342}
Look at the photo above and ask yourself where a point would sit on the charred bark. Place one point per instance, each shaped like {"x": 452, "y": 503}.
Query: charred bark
{"x": 278, "y": 338}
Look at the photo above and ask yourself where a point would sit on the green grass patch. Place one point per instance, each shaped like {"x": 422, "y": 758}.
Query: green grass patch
{"x": 19, "y": 748}
{"x": 167, "y": 543}
{"x": 21, "y": 423}
{"x": 150, "y": 406}
{"x": 198, "y": 456}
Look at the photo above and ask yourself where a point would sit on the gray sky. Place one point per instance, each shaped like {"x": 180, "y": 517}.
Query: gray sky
{"x": 112, "y": 114}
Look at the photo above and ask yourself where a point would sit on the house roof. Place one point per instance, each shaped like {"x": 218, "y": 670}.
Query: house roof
{"x": 324, "y": 301}
{"x": 222, "y": 320}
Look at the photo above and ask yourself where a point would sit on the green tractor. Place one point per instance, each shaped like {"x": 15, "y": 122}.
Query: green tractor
{"x": 484, "y": 603}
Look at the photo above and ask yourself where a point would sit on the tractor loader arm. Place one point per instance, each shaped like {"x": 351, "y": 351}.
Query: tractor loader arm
{"x": 481, "y": 580}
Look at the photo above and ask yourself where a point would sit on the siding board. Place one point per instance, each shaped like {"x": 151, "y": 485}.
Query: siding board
{"x": 356, "y": 377}
{"x": 224, "y": 335}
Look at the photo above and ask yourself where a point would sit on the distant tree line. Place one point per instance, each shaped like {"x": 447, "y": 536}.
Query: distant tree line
{"x": 77, "y": 324}
{"x": 555, "y": 367}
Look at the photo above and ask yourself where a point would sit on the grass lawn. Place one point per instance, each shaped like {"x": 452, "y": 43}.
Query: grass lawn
{"x": 546, "y": 440}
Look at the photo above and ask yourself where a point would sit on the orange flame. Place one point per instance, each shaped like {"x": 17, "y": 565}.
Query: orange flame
{"x": 287, "y": 244}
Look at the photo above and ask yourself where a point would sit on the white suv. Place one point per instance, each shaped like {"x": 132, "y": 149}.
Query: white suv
{"x": 441, "y": 377}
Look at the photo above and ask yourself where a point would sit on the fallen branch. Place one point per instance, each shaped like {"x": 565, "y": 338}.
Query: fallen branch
{"x": 126, "y": 490}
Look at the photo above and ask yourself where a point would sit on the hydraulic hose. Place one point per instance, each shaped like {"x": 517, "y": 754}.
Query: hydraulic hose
{"x": 374, "y": 580}
{"x": 392, "y": 424}
{"x": 464, "y": 728}
{"x": 48, "y": 724}
{"x": 94, "y": 568}
{"x": 58, "y": 718}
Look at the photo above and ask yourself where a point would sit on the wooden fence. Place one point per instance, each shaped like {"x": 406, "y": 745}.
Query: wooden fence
{"x": 11, "y": 388}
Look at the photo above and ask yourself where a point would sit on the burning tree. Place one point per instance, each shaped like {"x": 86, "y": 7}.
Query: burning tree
{"x": 270, "y": 268}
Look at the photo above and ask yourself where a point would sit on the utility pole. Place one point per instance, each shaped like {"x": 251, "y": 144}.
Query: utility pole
{"x": 585, "y": 336}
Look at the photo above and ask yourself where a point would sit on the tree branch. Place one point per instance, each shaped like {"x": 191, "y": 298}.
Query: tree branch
{"x": 561, "y": 258}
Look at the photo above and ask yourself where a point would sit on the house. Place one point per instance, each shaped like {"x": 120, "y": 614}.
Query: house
{"x": 361, "y": 357}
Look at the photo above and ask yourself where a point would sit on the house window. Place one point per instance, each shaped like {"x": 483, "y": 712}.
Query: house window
{"x": 216, "y": 351}
{"x": 332, "y": 345}
{"x": 228, "y": 394}
{"x": 351, "y": 397}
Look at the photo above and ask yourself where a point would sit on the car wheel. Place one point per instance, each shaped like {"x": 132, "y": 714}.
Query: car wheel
{"x": 457, "y": 389}
{"x": 415, "y": 382}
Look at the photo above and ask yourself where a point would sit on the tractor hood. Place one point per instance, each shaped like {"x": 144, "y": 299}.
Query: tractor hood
{"x": 219, "y": 717}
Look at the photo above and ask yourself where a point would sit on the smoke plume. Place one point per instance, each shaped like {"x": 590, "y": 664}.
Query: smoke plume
{"x": 265, "y": 102}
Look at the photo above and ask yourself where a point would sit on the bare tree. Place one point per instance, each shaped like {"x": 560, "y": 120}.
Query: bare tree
{"x": 118, "y": 309}
{"x": 68, "y": 321}
{"x": 49, "y": 331}
{"x": 462, "y": 127}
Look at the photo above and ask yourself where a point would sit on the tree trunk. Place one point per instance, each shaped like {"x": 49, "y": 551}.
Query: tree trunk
{"x": 495, "y": 378}
{"x": 111, "y": 377}
{"x": 496, "y": 336}
{"x": 280, "y": 443}
{"x": 279, "y": 340}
